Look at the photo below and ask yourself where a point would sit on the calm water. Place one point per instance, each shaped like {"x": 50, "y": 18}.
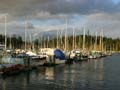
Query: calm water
{"x": 101, "y": 74}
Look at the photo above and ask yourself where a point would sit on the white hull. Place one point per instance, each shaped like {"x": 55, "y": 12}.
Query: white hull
{"x": 57, "y": 61}
{"x": 92, "y": 57}
{"x": 38, "y": 63}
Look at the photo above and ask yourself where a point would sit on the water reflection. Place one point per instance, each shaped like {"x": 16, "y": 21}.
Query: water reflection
{"x": 88, "y": 75}
{"x": 85, "y": 75}
{"x": 4, "y": 85}
{"x": 49, "y": 73}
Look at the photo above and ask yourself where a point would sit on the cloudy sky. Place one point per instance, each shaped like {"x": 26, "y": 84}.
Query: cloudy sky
{"x": 46, "y": 15}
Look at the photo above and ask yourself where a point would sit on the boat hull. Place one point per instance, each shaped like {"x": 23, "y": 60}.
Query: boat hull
{"x": 58, "y": 61}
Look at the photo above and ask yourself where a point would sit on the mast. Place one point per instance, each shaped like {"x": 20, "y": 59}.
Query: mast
{"x": 53, "y": 42}
{"x": 5, "y": 32}
{"x": 10, "y": 42}
{"x": 41, "y": 42}
{"x": 30, "y": 42}
{"x": 91, "y": 42}
{"x": 95, "y": 45}
{"x": 79, "y": 41}
{"x": 102, "y": 41}
{"x": 48, "y": 42}
{"x": 84, "y": 39}
{"x": 25, "y": 33}
{"x": 44, "y": 42}
{"x": 75, "y": 44}
{"x": 66, "y": 36}
{"x": 61, "y": 39}
{"x": 57, "y": 38}
{"x": 33, "y": 44}
{"x": 73, "y": 38}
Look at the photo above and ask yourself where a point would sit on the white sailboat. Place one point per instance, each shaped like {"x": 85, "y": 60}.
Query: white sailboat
{"x": 72, "y": 52}
{"x": 93, "y": 54}
{"x": 84, "y": 55}
{"x": 81, "y": 56}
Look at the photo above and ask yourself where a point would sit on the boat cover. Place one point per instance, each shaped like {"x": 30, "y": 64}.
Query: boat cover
{"x": 59, "y": 54}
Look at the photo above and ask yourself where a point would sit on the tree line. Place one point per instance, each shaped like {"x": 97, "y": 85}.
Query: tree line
{"x": 13, "y": 42}
{"x": 76, "y": 42}
{"x": 90, "y": 43}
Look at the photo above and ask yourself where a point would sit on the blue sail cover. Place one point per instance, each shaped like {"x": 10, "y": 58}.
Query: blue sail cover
{"x": 59, "y": 54}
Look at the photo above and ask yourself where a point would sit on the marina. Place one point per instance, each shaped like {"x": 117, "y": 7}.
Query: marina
{"x": 12, "y": 63}
{"x": 86, "y": 75}
{"x": 59, "y": 44}
{"x": 64, "y": 62}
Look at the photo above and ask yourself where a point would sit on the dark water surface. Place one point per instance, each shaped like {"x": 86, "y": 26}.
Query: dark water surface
{"x": 101, "y": 74}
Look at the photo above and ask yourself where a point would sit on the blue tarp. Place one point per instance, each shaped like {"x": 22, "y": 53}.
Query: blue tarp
{"x": 59, "y": 54}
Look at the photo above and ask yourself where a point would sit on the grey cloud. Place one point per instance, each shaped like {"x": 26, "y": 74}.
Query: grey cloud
{"x": 21, "y": 8}
{"x": 22, "y": 27}
{"x": 104, "y": 17}
{"x": 110, "y": 23}
{"x": 98, "y": 13}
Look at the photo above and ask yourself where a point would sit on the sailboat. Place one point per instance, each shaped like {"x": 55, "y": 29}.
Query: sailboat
{"x": 10, "y": 50}
{"x": 103, "y": 54}
{"x": 82, "y": 55}
{"x": 93, "y": 54}
{"x": 71, "y": 55}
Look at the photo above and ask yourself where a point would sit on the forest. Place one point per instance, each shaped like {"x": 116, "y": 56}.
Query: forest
{"x": 68, "y": 43}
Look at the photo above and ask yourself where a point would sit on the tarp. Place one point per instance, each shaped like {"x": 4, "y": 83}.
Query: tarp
{"x": 59, "y": 54}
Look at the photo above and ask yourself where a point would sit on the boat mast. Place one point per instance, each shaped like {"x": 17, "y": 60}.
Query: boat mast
{"x": 84, "y": 39}
{"x": 95, "y": 45}
{"x": 102, "y": 41}
{"x": 79, "y": 41}
{"x": 75, "y": 44}
{"x": 66, "y": 36}
{"x": 48, "y": 42}
{"x": 73, "y": 38}
{"x": 5, "y": 32}
{"x": 57, "y": 39}
{"x": 25, "y": 33}
{"x": 10, "y": 42}
{"x": 44, "y": 42}
{"x": 41, "y": 42}
{"x": 31, "y": 42}
{"x": 91, "y": 43}
{"x": 61, "y": 39}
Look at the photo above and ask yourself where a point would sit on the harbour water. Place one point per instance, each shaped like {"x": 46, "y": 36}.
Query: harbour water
{"x": 97, "y": 74}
